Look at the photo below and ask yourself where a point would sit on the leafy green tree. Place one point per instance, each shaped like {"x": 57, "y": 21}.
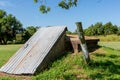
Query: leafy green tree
{"x": 118, "y": 32}
{"x": 65, "y": 4}
{"x": 2, "y": 14}
{"x": 115, "y": 29}
{"x": 109, "y": 28}
{"x": 31, "y": 30}
{"x": 28, "y": 32}
{"x": 9, "y": 26}
{"x": 90, "y": 31}
{"x": 100, "y": 29}
{"x": 26, "y": 36}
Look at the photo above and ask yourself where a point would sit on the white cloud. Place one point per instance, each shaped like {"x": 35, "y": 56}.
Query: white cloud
{"x": 4, "y": 3}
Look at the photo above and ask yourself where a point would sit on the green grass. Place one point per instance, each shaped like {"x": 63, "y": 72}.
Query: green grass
{"x": 6, "y": 51}
{"x": 7, "y": 78}
{"x": 112, "y": 45}
{"x": 113, "y": 38}
{"x": 105, "y": 65}
{"x": 63, "y": 68}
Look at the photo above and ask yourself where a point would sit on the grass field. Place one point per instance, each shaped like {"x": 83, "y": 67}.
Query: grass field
{"x": 109, "y": 38}
{"x": 112, "y": 45}
{"x": 6, "y": 51}
{"x": 105, "y": 65}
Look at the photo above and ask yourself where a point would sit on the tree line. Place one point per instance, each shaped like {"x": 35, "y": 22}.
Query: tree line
{"x": 11, "y": 29}
{"x": 99, "y": 29}
{"x": 102, "y": 29}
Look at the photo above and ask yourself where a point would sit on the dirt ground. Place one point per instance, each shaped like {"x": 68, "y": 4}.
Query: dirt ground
{"x": 17, "y": 77}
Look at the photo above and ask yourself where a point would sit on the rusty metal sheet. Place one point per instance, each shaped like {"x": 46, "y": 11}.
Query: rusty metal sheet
{"x": 29, "y": 57}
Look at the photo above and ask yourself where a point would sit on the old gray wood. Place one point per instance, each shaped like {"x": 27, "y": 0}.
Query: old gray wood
{"x": 83, "y": 42}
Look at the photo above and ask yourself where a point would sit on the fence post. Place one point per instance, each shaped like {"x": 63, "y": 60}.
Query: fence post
{"x": 83, "y": 42}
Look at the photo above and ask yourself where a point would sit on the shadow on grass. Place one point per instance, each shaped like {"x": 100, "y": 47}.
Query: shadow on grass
{"x": 69, "y": 76}
{"x": 106, "y": 68}
{"x": 114, "y": 56}
{"x": 100, "y": 55}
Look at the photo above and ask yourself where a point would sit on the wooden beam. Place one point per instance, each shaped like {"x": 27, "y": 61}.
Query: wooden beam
{"x": 83, "y": 42}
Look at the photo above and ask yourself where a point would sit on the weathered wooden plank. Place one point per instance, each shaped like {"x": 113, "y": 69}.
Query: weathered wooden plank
{"x": 83, "y": 42}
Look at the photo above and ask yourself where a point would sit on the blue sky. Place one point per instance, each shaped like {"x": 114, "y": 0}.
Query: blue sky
{"x": 87, "y": 11}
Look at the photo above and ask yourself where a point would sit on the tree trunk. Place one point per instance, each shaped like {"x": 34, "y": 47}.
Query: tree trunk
{"x": 0, "y": 41}
{"x": 4, "y": 42}
{"x": 83, "y": 42}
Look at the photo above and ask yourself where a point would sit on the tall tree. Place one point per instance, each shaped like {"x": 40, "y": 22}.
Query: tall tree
{"x": 98, "y": 28}
{"x": 118, "y": 32}
{"x": 101, "y": 29}
{"x": 2, "y": 14}
{"x": 9, "y": 26}
{"x": 109, "y": 28}
{"x": 28, "y": 32}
